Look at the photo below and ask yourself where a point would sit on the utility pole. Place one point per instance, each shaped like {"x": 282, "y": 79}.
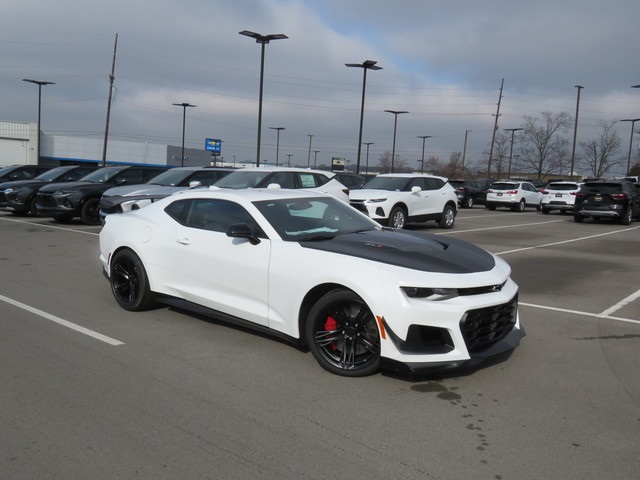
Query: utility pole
{"x": 495, "y": 128}
{"x": 111, "y": 79}
{"x": 575, "y": 133}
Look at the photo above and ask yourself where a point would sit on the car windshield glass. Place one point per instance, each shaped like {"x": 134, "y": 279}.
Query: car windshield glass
{"x": 388, "y": 183}
{"x": 504, "y": 186}
{"x": 606, "y": 188}
{"x": 52, "y": 174}
{"x": 562, "y": 186}
{"x": 242, "y": 179}
{"x": 101, "y": 175}
{"x": 320, "y": 218}
{"x": 170, "y": 178}
{"x": 5, "y": 170}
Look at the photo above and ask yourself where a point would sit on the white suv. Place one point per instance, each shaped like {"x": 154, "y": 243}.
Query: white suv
{"x": 559, "y": 196}
{"x": 513, "y": 194}
{"x": 394, "y": 199}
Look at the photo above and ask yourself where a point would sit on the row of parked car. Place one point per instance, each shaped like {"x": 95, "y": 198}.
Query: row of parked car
{"x": 91, "y": 193}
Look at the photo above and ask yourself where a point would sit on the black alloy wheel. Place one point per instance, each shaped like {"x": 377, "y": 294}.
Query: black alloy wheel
{"x": 129, "y": 282}
{"x": 342, "y": 335}
{"x": 90, "y": 212}
{"x": 468, "y": 202}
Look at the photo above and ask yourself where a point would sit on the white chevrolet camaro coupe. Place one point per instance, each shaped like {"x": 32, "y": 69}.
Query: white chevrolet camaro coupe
{"x": 309, "y": 268}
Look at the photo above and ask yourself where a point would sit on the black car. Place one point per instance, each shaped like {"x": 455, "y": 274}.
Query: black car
{"x": 21, "y": 172}
{"x": 19, "y": 196}
{"x": 64, "y": 201}
{"x": 614, "y": 199}
{"x": 470, "y": 192}
{"x": 350, "y": 180}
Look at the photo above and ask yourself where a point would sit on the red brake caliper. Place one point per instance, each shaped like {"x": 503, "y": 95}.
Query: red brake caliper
{"x": 329, "y": 325}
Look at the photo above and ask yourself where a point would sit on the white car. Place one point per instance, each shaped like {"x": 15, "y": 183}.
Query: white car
{"x": 513, "y": 194}
{"x": 394, "y": 199}
{"x": 559, "y": 196}
{"x": 283, "y": 177}
{"x": 310, "y": 269}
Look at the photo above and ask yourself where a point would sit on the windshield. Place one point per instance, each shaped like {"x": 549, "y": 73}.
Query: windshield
{"x": 5, "y": 170}
{"x": 101, "y": 175}
{"x": 388, "y": 183}
{"x": 50, "y": 175}
{"x": 242, "y": 179}
{"x": 170, "y": 178}
{"x": 313, "y": 218}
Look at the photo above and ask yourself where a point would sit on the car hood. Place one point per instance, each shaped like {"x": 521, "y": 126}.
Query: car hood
{"x": 418, "y": 251}
{"x": 72, "y": 186}
{"x": 369, "y": 193}
{"x": 20, "y": 183}
{"x": 144, "y": 189}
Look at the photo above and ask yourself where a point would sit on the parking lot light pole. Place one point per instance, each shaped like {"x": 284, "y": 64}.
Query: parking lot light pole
{"x": 513, "y": 133}
{"x": 366, "y": 168}
{"x": 262, "y": 40}
{"x": 184, "y": 106}
{"x": 366, "y": 65}
{"x": 40, "y": 83}
{"x": 277, "y": 129}
{"x": 395, "y": 127}
{"x": 309, "y": 154}
{"x": 633, "y": 123}
{"x": 424, "y": 139}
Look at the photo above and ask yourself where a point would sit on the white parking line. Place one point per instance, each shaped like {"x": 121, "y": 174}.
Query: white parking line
{"x": 577, "y": 312}
{"x": 48, "y": 226}
{"x": 622, "y": 303}
{"x": 60, "y": 321}
{"x": 579, "y": 239}
{"x": 451, "y": 232}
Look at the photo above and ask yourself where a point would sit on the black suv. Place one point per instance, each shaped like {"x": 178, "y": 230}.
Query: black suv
{"x": 470, "y": 192}
{"x": 64, "y": 201}
{"x": 616, "y": 199}
{"x": 19, "y": 196}
{"x": 21, "y": 172}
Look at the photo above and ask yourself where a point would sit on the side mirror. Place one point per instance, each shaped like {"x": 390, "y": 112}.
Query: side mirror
{"x": 194, "y": 184}
{"x": 415, "y": 189}
{"x": 242, "y": 230}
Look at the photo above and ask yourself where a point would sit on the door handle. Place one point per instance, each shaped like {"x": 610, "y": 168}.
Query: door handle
{"x": 183, "y": 241}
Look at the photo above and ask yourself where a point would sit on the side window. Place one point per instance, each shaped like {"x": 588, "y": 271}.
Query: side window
{"x": 148, "y": 174}
{"x": 284, "y": 179}
{"x": 308, "y": 180}
{"x": 205, "y": 177}
{"x": 433, "y": 184}
{"x": 417, "y": 182}
{"x": 130, "y": 176}
{"x": 210, "y": 214}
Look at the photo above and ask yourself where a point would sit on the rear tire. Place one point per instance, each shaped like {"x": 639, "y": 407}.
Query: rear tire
{"x": 448, "y": 217}
{"x": 520, "y": 207}
{"x": 468, "y": 203}
{"x": 627, "y": 217}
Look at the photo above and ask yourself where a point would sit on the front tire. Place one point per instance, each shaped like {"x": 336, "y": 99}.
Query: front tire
{"x": 129, "y": 282}
{"x": 397, "y": 217}
{"x": 448, "y": 217}
{"x": 578, "y": 218}
{"x": 90, "y": 212}
{"x": 469, "y": 202}
{"x": 342, "y": 335}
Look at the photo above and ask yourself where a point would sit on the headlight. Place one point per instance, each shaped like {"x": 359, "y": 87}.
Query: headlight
{"x": 14, "y": 190}
{"x": 431, "y": 294}
{"x": 376, "y": 200}
{"x": 62, "y": 192}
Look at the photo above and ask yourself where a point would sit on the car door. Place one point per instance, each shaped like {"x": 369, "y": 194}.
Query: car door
{"x": 226, "y": 274}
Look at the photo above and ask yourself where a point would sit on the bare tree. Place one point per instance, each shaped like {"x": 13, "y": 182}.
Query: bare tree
{"x": 542, "y": 146}
{"x": 384, "y": 162}
{"x": 599, "y": 152}
{"x": 453, "y": 169}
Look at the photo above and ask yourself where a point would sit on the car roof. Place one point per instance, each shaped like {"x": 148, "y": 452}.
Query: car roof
{"x": 249, "y": 194}
{"x": 411, "y": 175}
{"x": 284, "y": 169}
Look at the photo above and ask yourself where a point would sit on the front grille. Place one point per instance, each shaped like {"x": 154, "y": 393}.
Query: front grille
{"x": 359, "y": 205}
{"x": 46, "y": 200}
{"x": 483, "y": 327}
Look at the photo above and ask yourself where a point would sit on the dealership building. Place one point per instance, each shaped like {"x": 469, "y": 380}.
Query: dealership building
{"x": 19, "y": 146}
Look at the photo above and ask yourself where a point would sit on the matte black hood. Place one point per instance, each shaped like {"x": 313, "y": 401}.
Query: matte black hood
{"x": 418, "y": 251}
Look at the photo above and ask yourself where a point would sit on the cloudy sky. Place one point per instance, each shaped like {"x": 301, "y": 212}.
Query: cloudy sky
{"x": 443, "y": 62}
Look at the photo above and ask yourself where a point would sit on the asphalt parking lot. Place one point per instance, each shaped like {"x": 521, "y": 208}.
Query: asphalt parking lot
{"x": 92, "y": 391}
